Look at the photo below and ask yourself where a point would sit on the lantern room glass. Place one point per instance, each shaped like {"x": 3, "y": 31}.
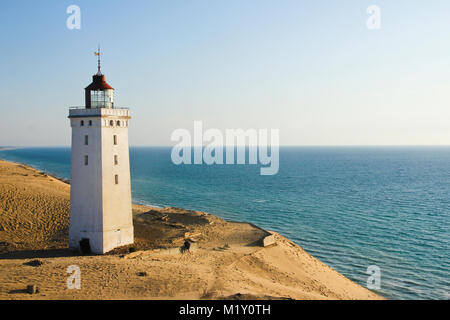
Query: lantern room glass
{"x": 102, "y": 99}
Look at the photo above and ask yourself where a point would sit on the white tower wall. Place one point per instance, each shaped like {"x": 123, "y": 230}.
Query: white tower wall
{"x": 100, "y": 205}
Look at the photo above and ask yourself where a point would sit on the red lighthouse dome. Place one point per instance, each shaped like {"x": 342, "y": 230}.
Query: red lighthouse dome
{"x": 99, "y": 94}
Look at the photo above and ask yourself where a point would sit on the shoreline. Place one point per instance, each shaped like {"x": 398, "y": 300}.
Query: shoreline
{"x": 39, "y": 171}
{"x": 215, "y": 242}
{"x": 8, "y": 148}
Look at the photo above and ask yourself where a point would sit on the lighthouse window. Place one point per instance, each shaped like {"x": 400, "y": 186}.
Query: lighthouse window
{"x": 116, "y": 179}
{"x": 86, "y": 140}
{"x": 86, "y": 160}
{"x": 115, "y": 139}
{"x": 82, "y": 123}
{"x": 111, "y": 123}
{"x": 102, "y": 98}
{"x": 118, "y": 122}
{"x": 116, "y": 160}
{"x": 90, "y": 122}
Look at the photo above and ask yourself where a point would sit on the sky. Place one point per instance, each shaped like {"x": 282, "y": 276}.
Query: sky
{"x": 312, "y": 69}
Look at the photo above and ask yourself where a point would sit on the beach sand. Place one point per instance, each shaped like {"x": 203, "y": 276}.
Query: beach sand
{"x": 227, "y": 258}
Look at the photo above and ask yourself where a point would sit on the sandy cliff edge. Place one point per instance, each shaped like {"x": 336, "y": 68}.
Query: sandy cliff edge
{"x": 227, "y": 259}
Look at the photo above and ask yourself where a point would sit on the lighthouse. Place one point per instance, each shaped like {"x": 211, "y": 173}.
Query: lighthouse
{"x": 100, "y": 188}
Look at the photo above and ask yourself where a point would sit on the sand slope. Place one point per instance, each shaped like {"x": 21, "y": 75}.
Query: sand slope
{"x": 227, "y": 259}
{"x": 34, "y": 208}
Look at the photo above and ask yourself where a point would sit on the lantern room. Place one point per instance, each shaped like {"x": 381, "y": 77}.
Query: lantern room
{"x": 99, "y": 94}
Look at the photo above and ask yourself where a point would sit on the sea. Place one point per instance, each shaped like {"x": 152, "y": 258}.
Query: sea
{"x": 351, "y": 207}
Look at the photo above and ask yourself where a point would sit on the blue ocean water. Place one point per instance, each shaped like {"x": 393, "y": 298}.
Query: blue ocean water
{"x": 351, "y": 207}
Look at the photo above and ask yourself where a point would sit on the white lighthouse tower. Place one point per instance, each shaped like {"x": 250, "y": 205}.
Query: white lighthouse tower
{"x": 100, "y": 193}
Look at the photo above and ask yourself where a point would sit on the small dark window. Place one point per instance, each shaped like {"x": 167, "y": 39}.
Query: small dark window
{"x": 115, "y": 139}
{"x": 118, "y": 123}
{"x": 116, "y": 179}
{"x": 82, "y": 123}
{"x": 86, "y": 160}
{"x": 86, "y": 140}
{"x": 90, "y": 122}
{"x": 116, "y": 160}
{"x": 111, "y": 123}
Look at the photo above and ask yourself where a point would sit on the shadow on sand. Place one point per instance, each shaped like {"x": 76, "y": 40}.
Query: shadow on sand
{"x": 16, "y": 291}
{"x": 33, "y": 254}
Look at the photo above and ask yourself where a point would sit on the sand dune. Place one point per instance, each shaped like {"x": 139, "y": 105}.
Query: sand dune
{"x": 227, "y": 259}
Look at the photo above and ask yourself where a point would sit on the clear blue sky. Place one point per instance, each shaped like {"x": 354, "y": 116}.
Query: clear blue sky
{"x": 310, "y": 68}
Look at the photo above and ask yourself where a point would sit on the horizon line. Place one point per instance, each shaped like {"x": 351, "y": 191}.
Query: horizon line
{"x": 284, "y": 146}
